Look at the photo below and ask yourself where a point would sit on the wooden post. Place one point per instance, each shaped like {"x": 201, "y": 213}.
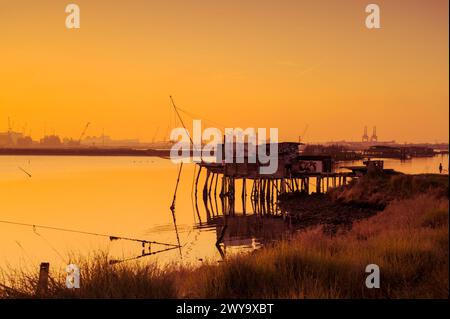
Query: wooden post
{"x": 244, "y": 195}
{"x": 258, "y": 195}
{"x": 211, "y": 184}
{"x": 232, "y": 180}
{"x": 252, "y": 193}
{"x": 196, "y": 180}
{"x": 264, "y": 199}
{"x": 223, "y": 193}
{"x": 274, "y": 194}
{"x": 292, "y": 184}
{"x": 222, "y": 188}
{"x": 233, "y": 187}
{"x": 205, "y": 196}
{"x": 255, "y": 188}
{"x": 261, "y": 192}
{"x": 215, "y": 186}
{"x": 273, "y": 191}
{"x": 42, "y": 287}
{"x": 318, "y": 182}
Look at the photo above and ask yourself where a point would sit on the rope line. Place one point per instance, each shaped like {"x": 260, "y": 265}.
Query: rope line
{"x": 196, "y": 116}
{"x": 111, "y": 237}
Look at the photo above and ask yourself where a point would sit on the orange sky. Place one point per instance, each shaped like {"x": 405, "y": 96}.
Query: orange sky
{"x": 243, "y": 63}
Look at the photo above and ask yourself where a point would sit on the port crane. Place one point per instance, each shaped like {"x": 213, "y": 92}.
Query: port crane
{"x": 300, "y": 137}
{"x": 84, "y": 132}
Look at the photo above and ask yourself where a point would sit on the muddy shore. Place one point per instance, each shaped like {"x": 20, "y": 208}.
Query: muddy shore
{"x": 306, "y": 211}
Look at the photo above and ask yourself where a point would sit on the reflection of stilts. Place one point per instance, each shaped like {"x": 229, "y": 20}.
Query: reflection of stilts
{"x": 264, "y": 190}
{"x": 205, "y": 196}
{"x": 215, "y": 195}
{"x": 220, "y": 239}
{"x": 172, "y": 209}
{"x": 196, "y": 191}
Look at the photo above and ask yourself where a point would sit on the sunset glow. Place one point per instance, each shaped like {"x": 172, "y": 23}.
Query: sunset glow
{"x": 284, "y": 64}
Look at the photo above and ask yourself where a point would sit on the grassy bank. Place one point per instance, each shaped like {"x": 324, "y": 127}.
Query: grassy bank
{"x": 408, "y": 240}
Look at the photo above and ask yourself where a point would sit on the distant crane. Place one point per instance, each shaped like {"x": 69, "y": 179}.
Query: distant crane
{"x": 374, "y": 137}
{"x": 302, "y": 136}
{"x": 84, "y": 132}
{"x": 9, "y": 126}
{"x": 365, "y": 137}
{"x": 9, "y": 131}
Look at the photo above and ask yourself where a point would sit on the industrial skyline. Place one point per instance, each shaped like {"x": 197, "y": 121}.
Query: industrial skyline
{"x": 24, "y": 138}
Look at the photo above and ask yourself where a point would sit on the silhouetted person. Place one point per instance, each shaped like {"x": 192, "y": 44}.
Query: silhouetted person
{"x": 440, "y": 168}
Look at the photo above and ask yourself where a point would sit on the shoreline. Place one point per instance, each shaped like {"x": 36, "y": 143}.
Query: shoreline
{"x": 408, "y": 239}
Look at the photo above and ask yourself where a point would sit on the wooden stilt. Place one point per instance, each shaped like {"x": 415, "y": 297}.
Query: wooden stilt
{"x": 196, "y": 181}
{"x": 244, "y": 196}
{"x": 318, "y": 182}
{"x": 222, "y": 188}
{"x": 215, "y": 186}
{"x": 233, "y": 202}
{"x": 211, "y": 184}
{"x": 205, "y": 186}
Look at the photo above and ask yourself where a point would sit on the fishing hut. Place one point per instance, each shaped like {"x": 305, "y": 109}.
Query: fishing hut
{"x": 295, "y": 172}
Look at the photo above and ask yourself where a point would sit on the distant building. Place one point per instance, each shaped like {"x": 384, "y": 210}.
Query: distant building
{"x": 9, "y": 138}
{"x": 70, "y": 142}
{"x": 25, "y": 141}
{"x": 338, "y": 152}
{"x": 50, "y": 140}
{"x": 5, "y": 139}
{"x": 105, "y": 140}
{"x": 359, "y": 145}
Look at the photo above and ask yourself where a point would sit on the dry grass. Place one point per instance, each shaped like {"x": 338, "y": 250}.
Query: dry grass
{"x": 99, "y": 279}
{"x": 380, "y": 189}
{"x": 408, "y": 240}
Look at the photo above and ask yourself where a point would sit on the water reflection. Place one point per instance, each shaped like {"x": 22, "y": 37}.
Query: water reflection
{"x": 249, "y": 229}
{"x": 131, "y": 198}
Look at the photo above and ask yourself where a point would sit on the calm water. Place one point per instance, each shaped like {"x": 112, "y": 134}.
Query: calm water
{"x": 413, "y": 166}
{"x": 122, "y": 196}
